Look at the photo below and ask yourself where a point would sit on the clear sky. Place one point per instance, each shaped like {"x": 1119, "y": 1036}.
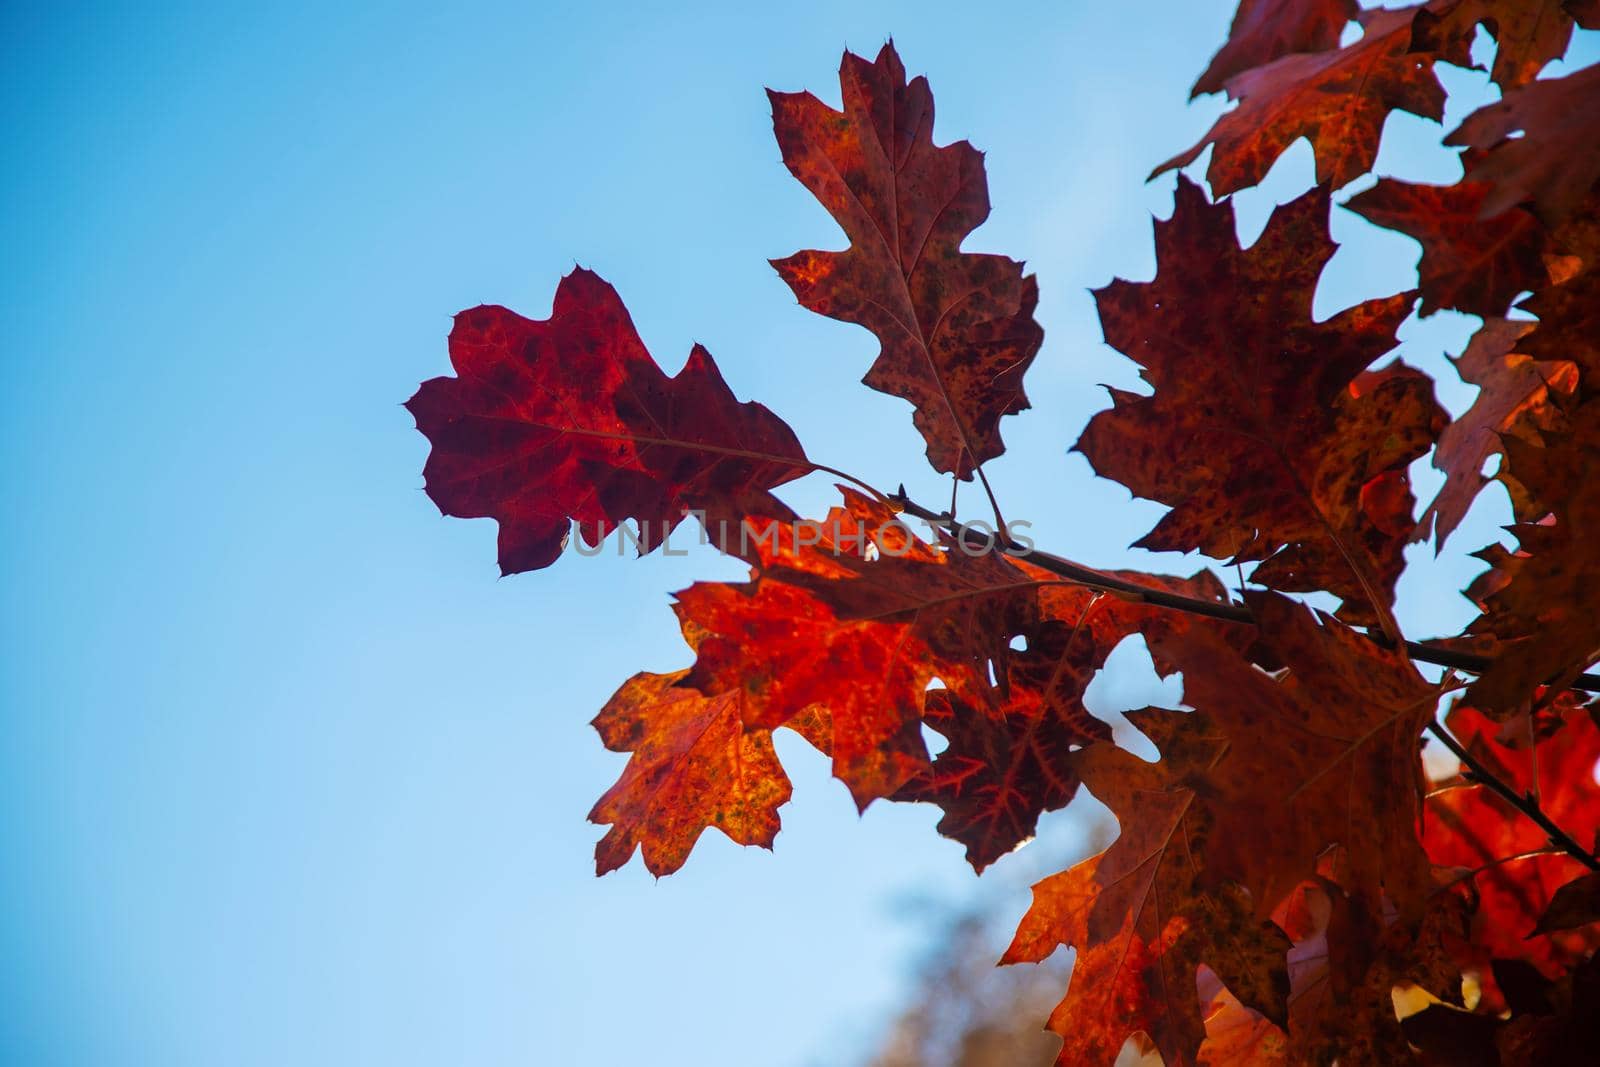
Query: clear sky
{"x": 287, "y": 775}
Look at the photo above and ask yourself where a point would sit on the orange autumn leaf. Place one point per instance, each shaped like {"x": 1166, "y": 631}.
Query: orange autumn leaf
{"x": 692, "y": 765}
{"x": 1139, "y": 978}
{"x": 1507, "y": 858}
{"x": 860, "y": 638}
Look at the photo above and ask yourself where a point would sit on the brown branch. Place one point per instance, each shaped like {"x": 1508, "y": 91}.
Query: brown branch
{"x": 1421, "y": 651}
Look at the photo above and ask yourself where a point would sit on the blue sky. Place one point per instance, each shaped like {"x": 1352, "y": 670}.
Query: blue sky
{"x": 289, "y": 776}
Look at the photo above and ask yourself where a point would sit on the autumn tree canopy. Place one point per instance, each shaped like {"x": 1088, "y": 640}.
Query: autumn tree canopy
{"x": 1286, "y": 886}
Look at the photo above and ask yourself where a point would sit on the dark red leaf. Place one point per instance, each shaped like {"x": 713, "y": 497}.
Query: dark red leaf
{"x": 1543, "y": 612}
{"x": 1006, "y": 766}
{"x": 1555, "y": 163}
{"x": 1263, "y": 434}
{"x": 1528, "y": 33}
{"x": 1338, "y": 100}
{"x": 1575, "y": 904}
{"x": 1514, "y": 400}
{"x": 956, "y": 328}
{"x": 568, "y": 419}
{"x": 1469, "y": 263}
{"x": 1264, "y": 30}
{"x": 1325, "y": 755}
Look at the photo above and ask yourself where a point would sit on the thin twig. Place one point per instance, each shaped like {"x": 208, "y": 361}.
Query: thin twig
{"x": 1418, "y": 650}
{"x": 1491, "y": 865}
{"x": 1524, "y": 804}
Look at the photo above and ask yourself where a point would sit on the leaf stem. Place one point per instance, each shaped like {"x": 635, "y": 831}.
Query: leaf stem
{"x": 876, "y": 494}
{"x": 999, "y": 519}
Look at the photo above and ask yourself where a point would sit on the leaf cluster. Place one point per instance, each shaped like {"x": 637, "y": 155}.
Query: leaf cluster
{"x": 1287, "y": 885}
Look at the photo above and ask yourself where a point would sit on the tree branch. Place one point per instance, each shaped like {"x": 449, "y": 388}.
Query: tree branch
{"x": 1087, "y": 576}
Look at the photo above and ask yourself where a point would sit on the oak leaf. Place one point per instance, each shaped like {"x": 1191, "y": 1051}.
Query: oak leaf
{"x": 1116, "y": 988}
{"x": 1338, "y": 100}
{"x": 956, "y": 328}
{"x": 1573, "y": 905}
{"x": 1141, "y": 975}
{"x": 1263, "y": 434}
{"x": 568, "y": 419}
{"x": 1528, "y": 33}
{"x": 1005, "y": 766}
{"x": 860, "y": 638}
{"x": 1569, "y": 313}
{"x": 1514, "y": 400}
{"x": 1264, "y": 30}
{"x": 1542, "y": 145}
{"x": 1541, "y": 608}
{"x": 693, "y": 765}
{"x": 1469, "y": 263}
{"x": 1324, "y": 754}
{"x": 1514, "y": 871}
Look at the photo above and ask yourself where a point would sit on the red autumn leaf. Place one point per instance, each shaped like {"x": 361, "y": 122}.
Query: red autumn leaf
{"x": 1543, "y": 612}
{"x": 1343, "y": 967}
{"x": 1338, "y": 100}
{"x": 1528, "y": 33}
{"x": 1470, "y": 827}
{"x": 1115, "y": 990}
{"x": 1263, "y": 435}
{"x": 1514, "y": 400}
{"x": 1555, "y": 162}
{"x": 1565, "y": 1028}
{"x": 569, "y": 419}
{"x": 1469, "y": 263}
{"x": 861, "y": 639}
{"x": 1325, "y": 755}
{"x": 1128, "y": 980}
{"x": 1569, "y": 313}
{"x": 1002, "y": 769}
{"x": 1264, "y": 30}
{"x": 693, "y": 765}
{"x": 1573, "y": 905}
{"x": 956, "y": 328}
{"x": 1006, "y": 766}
